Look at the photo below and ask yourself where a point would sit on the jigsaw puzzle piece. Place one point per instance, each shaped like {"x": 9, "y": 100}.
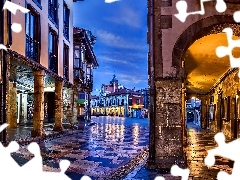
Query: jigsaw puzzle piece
{"x": 34, "y": 166}
{"x": 221, "y": 6}
{"x": 12, "y": 7}
{"x": 222, "y": 51}
{"x": 159, "y": 178}
{"x": 236, "y": 16}
{"x": 181, "y": 6}
{"x": 177, "y": 171}
{"x": 88, "y": 178}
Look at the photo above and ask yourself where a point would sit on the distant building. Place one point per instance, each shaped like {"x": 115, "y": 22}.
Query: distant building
{"x": 84, "y": 63}
{"x": 115, "y": 100}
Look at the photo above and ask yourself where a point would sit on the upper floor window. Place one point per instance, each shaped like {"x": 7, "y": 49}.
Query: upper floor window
{"x": 138, "y": 101}
{"x": 53, "y": 10}
{"x": 32, "y": 34}
{"x": 66, "y": 61}
{"x": 53, "y": 50}
{"x": 66, "y": 15}
{"x": 38, "y": 2}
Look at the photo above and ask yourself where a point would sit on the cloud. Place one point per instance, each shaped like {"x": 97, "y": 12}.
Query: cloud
{"x": 129, "y": 80}
{"x": 126, "y": 16}
{"x": 111, "y": 1}
{"x": 116, "y": 41}
{"x": 105, "y": 59}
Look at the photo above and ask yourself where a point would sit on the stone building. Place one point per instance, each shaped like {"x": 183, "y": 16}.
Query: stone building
{"x": 40, "y": 64}
{"x": 84, "y": 63}
{"x": 115, "y": 100}
{"x": 183, "y": 63}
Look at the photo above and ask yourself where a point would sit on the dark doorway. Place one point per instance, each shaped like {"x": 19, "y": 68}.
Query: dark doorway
{"x": 49, "y": 107}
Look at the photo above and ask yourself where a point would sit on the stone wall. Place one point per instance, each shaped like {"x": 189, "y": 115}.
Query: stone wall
{"x": 67, "y": 105}
{"x": 168, "y": 122}
{"x": 227, "y": 88}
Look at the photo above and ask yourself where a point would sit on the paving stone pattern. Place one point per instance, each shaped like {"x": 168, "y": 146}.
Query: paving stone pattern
{"x": 97, "y": 152}
{"x": 199, "y": 141}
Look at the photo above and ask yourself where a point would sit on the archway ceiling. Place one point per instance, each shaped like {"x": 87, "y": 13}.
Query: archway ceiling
{"x": 202, "y": 66}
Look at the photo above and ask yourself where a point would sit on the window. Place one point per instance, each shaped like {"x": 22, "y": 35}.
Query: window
{"x": 66, "y": 14}
{"x": 38, "y": 3}
{"x": 138, "y": 101}
{"x": 53, "y": 50}
{"x": 78, "y": 64}
{"x": 166, "y": 21}
{"x": 166, "y": 3}
{"x": 32, "y": 34}
{"x": 53, "y": 11}
{"x": 65, "y": 61}
{"x": 130, "y": 102}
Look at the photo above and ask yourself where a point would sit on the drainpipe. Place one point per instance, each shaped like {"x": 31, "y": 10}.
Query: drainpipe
{"x": 3, "y": 76}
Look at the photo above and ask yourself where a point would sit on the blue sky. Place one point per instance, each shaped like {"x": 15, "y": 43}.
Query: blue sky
{"x": 121, "y": 31}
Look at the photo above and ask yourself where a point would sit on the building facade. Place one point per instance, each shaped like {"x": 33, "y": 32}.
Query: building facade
{"x": 183, "y": 64}
{"x": 84, "y": 63}
{"x": 40, "y": 65}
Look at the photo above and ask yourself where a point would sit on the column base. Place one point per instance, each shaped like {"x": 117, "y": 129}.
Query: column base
{"x": 58, "y": 128}
{"x": 37, "y": 133}
{"x": 163, "y": 165}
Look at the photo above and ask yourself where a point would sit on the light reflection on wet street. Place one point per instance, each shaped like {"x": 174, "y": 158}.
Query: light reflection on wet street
{"x": 199, "y": 141}
{"x": 98, "y": 151}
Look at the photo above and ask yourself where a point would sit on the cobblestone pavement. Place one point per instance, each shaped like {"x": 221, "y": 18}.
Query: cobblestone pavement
{"x": 97, "y": 152}
{"x": 199, "y": 141}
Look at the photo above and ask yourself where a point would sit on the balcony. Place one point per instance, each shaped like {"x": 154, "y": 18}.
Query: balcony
{"x": 32, "y": 50}
{"x": 78, "y": 75}
{"x": 53, "y": 63}
{"x": 66, "y": 72}
{"x": 52, "y": 12}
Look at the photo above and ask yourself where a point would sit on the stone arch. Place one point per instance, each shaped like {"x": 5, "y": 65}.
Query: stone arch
{"x": 210, "y": 25}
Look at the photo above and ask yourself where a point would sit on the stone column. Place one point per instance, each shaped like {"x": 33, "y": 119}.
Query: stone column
{"x": 12, "y": 105}
{"x": 38, "y": 114}
{"x": 168, "y": 132}
{"x": 11, "y": 95}
{"x": 75, "y": 105}
{"x": 58, "y": 105}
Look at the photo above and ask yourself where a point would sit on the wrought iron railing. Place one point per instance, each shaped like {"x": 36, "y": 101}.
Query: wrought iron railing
{"x": 32, "y": 48}
{"x": 52, "y": 11}
{"x": 66, "y": 72}
{"x": 53, "y": 63}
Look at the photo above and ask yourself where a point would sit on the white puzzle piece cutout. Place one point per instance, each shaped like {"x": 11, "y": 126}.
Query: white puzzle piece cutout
{"x": 222, "y": 51}
{"x": 177, "y": 171}
{"x": 111, "y": 1}
{"x": 182, "y": 6}
{"x": 227, "y": 150}
{"x": 16, "y": 27}
{"x": 33, "y": 169}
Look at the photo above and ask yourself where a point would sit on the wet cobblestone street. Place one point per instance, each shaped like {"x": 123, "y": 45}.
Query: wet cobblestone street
{"x": 97, "y": 152}
{"x": 199, "y": 141}
{"x": 117, "y": 147}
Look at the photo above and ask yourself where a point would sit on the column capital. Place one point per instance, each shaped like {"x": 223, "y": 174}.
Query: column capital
{"x": 39, "y": 73}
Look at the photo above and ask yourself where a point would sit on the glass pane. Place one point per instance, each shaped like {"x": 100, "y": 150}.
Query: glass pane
{"x": 27, "y": 23}
{"x": 76, "y": 53}
{"x": 50, "y": 43}
{"x": 32, "y": 26}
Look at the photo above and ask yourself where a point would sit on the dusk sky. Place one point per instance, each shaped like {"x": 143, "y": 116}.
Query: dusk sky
{"x": 121, "y": 46}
